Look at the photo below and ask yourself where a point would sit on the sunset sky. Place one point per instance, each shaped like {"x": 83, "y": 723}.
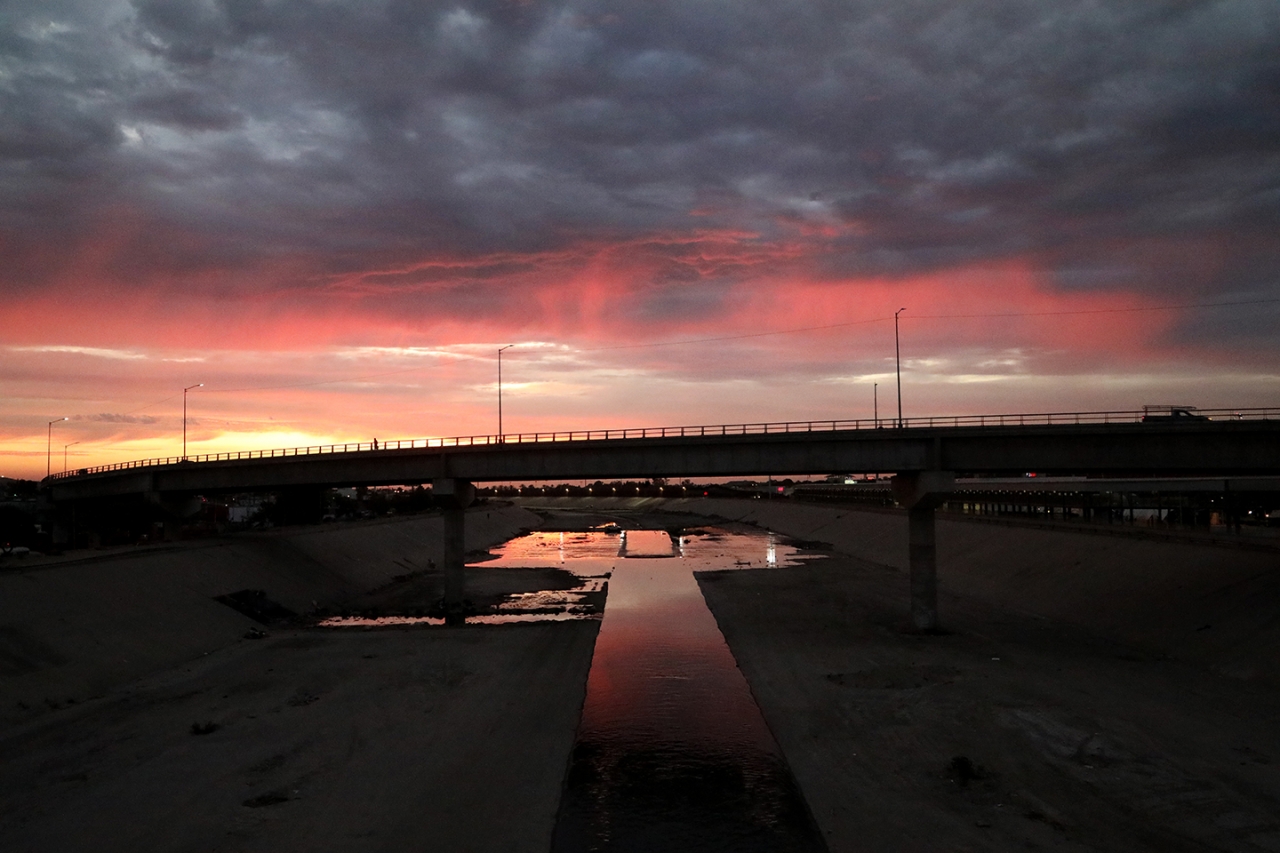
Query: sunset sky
{"x": 333, "y": 212}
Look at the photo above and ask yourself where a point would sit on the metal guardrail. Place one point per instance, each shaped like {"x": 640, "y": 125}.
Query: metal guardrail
{"x": 1036, "y": 419}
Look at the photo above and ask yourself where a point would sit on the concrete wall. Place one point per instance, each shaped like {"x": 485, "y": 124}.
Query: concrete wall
{"x": 71, "y": 629}
{"x": 1218, "y": 606}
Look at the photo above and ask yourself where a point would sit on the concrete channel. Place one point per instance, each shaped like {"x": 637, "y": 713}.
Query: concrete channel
{"x": 1084, "y": 692}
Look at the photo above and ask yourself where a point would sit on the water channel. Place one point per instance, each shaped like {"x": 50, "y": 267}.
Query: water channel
{"x": 672, "y": 753}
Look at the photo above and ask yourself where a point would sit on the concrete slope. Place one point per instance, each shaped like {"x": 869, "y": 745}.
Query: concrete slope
{"x": 1008, "y": 732}
{"x": 70, "y": 630}
{"x": 1216, "y": 606}
{"x": 450, "y": 739}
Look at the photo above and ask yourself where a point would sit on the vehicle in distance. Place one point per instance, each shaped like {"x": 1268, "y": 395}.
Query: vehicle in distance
{"x": 1165, "y": 414}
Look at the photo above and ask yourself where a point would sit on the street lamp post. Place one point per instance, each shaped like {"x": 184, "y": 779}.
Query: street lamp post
{"x": 500, "y": 349}
{"x": 64, "y": 454}
{"x": 875, "y": 402}
{"x": 897, "y": 352}
{"x": 184, "y": 417}
{"x": 48, "y": 450}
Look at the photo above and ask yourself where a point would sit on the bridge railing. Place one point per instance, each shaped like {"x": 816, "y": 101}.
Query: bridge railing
{"x": 1027, "y": 419}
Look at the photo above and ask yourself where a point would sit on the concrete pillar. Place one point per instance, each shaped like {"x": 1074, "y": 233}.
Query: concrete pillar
{"x": 921, "y": 492}
{"x": 60, "y": 534}
{"x": 455, "y": 550}
{"x": 923, "y": 553}
{"x": 453, "y": 497}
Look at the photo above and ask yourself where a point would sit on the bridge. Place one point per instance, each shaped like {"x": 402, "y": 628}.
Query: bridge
{"x": 924, "y": 454}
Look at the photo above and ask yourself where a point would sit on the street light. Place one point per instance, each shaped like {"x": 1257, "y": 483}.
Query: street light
{"x": 897, "y": 351}
{"x": 875, "y": 401}
{"x": 500, "y": 349}
{"x": 64, "y": 454}
{"x": 48, "y": 450}
{"x": 184, "y": 417}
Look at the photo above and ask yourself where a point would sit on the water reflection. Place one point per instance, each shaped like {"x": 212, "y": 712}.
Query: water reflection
{"x": 475, "y": 619}
{"x": 672, "y": 753}
{"x": 583, "y": 601}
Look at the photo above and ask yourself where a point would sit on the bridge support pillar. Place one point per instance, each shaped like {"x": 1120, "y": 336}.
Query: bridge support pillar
{"x": 921, "y": 492}
{"x": 923, "y": 557}
{"x": 453, "y": 497}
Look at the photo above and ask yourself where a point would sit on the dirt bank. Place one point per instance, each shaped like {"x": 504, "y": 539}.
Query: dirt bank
{"x": 73, "y": 628}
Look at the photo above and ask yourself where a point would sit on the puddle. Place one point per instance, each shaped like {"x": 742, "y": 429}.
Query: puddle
{"x": 582, "y": 600}
{"x": 672, "y": 753}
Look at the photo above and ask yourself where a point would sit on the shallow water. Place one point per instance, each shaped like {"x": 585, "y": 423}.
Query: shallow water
{"x": 672, "y": 753}
{"x": 475, "y": 619}
{"x": 537, "y": 550}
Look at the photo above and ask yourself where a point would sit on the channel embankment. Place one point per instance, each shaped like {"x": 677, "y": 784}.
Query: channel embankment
{"x": 1212, "y": 605}
{"x": 186, "y": 735}
{"x": 1215, "y": 605}
{"x": 73, "y": 627}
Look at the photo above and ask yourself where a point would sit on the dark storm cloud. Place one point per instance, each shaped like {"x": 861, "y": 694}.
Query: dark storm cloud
{"x": 188, "y": 109}
{"x": 919, "y": 133}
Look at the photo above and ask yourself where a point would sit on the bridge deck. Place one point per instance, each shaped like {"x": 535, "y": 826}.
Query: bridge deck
{"x": 1093, "y": 443}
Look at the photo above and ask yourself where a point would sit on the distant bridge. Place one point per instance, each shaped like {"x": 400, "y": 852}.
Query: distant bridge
{"x": 923, "y": 453}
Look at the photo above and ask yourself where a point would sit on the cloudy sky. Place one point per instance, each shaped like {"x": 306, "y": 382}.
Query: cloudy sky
{"x": 332, "y": 213}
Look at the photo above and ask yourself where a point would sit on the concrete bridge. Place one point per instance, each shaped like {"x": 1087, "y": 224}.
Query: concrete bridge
{"x": 924, "y": 454}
